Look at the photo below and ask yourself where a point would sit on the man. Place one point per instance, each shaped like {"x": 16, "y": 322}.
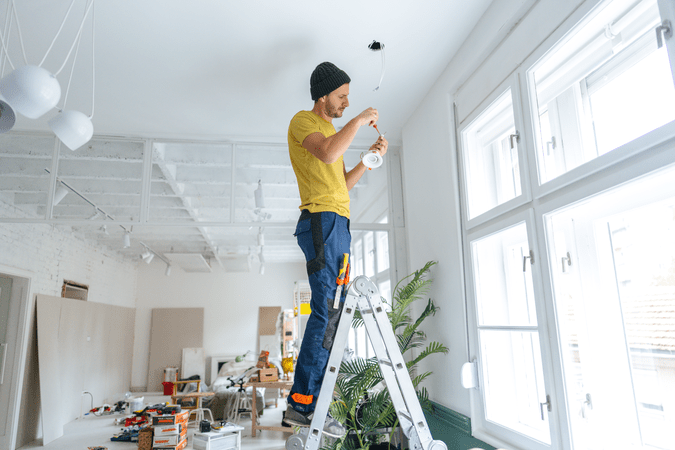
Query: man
{"x": 316, "y": 152}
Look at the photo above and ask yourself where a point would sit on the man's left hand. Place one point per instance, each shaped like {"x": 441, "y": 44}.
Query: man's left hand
{"x": 380, "y": 145}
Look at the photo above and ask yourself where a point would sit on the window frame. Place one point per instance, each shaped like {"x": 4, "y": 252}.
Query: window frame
{"x": 628, "y": 150}
{"x": 481, "y": 427}
{"x": 512, "y": 83}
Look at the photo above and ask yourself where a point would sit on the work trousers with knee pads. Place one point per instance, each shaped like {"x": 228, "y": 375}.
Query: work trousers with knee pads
{"x": 323, "y": 237}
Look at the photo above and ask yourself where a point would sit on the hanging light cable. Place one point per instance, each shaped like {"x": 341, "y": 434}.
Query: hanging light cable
{"x": 72, "y": 127}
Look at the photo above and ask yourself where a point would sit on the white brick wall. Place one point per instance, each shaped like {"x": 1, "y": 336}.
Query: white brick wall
{"x": 55, "y": 253}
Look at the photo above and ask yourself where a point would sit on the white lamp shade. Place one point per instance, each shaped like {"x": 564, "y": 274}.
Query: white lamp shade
{"x": 7, "y": 116}
{"x": 126, "y": 240}
{"x": 31, "y": 90}
{"x": 72, "y": 127}
{"x": 60, "y": 194}
{"x": 371, "y": 159}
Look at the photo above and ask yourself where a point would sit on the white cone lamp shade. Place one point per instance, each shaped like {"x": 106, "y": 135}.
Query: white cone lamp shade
{"x": 31, "y": 90}
{"x": 7, "y": 116}
{"x": 72, "y": 127}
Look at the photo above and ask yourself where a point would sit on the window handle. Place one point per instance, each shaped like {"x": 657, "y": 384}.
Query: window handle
{"x": 515, "y": 136}
{"x": 531, "y": 257}
{"x": 588, "y": 404}
{"x": 566, "y": 260}
{"x": 550, "y": 145}
{"x": 665, "y": 30}
{"x": 548, "y": 406}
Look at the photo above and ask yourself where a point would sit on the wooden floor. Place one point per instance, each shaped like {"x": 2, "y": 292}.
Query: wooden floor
{"x": 95, "y": 431}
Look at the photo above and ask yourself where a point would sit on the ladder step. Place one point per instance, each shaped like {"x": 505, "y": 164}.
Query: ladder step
{"x": 386, "y": 362}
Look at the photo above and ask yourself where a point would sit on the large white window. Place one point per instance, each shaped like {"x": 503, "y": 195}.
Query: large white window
{"x": 569, "y": 231}
{"x": 606, "y": 84}
{"x": 613, "y": 265}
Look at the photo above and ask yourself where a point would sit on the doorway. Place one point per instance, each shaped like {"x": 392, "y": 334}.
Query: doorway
{"x": 14, "y": 296}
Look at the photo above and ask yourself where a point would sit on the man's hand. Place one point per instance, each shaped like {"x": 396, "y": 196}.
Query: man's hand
{"x": 368, "y": 117}
{"x": 380, "y": 145}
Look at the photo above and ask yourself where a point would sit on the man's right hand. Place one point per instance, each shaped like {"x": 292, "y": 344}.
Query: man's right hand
{"x": 368, "y": 117}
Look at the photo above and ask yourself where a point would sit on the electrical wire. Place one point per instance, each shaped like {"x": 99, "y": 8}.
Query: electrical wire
{"x": 93, "y": 60}
{"x": 57, "y": 33}
{"x": 10, "y": 6}
{"x": 72, "y": 70}
{"x": 8, "y": 30}
{"x": 79, "y": 32}
{"x": 383, "y": 68}
{"x": 18, "y": 27}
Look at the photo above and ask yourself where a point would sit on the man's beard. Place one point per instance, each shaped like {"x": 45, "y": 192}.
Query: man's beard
{"x": 334, "y": 113}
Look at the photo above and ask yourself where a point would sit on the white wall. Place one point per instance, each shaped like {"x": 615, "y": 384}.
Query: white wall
{"x": 230, "y": 302}
{"x": 506, "y": 34}
{"x": 50, "y": 255}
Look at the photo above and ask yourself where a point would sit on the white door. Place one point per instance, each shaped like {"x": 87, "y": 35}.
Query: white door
{"x": 6, "y": 352}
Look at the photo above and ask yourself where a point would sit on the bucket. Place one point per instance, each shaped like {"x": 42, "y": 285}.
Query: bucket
{"x": 171, "y": 374}
{"x": 136, "y": 403}
{"x": 168, "y": 387}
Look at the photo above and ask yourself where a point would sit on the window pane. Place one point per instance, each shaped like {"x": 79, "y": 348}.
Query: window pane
{"x": 385, "y": 290}
{"x": 357, "y": 258}
{"x": 369, "y": 254}
{"x": 616, "y": 302}
{"x": 504, "y": 291}
{"x": 490, "y": 157}
{"x": 513, "y": 381}
{"x": 382, "y": 250}
{"x": 604, "y": 85}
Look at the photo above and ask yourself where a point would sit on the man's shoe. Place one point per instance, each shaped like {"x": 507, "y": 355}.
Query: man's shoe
{"x": 331, "y": 427}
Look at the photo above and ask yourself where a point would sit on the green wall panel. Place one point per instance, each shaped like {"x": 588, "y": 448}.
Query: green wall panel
{"x": 454, "y": 429}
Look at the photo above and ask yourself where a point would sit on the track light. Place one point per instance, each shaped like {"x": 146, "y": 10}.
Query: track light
{"x": 259, "y": 199}
{"x": 167, "y": 272}
{"x": 261, "y": 271}
{"x": 105, "y": 230}
{"x": 126, "y": 240}
{"x": 147, "y": 256}
{"x": 261, "y": 237}
{"x": 60, "y": 194}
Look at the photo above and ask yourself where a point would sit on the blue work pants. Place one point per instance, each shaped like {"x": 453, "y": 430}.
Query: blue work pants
{"x": 323, "y": 237}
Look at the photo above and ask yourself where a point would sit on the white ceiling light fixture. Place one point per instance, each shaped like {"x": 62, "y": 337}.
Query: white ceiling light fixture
{"x": 126, "y": 239}
{"x": 147, "y": 256}
{"x": 60, "y": 194}
{"x": 7, "y": 116}
{"x": 74, "y": 128}
{"x": 259, "y": 199}
{"x": 167, "y": 272}
{"x": 32, "y": 90}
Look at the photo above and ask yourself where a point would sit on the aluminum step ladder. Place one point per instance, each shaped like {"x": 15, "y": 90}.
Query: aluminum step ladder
{"x": 364, "y": 296}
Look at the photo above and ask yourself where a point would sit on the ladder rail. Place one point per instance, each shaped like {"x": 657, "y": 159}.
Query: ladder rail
{"x": 395, "y": 372}
{"x": 332, "y": 369}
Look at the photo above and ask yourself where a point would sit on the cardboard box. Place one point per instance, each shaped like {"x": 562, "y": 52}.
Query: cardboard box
{"x": 171, "y": 419}
{"x": 180, "y": 446}
{"x": 145, "y": 439}
{"x": 168, "y": 430}
{"x": 269, "y": 375}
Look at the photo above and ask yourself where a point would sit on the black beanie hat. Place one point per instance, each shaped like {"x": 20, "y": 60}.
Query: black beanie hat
{"x": 325, "y": 79}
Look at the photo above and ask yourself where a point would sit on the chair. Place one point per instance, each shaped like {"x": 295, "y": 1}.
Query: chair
{"x": 197, "y": 396}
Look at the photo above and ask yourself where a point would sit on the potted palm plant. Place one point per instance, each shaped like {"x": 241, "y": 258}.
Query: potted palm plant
{"x": 362, "y": 402}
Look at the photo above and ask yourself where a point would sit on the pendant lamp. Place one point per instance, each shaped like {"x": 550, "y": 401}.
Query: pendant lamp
{"x": 7, "y": 116}
{"x": 73, "y": 128}
{"x": 31, "y": 90}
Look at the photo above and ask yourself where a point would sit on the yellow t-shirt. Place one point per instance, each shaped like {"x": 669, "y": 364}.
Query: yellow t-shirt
{"x": 322, "y": 186}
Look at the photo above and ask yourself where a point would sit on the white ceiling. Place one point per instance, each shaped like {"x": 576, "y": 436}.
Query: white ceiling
{"x": 219, "y": 71}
